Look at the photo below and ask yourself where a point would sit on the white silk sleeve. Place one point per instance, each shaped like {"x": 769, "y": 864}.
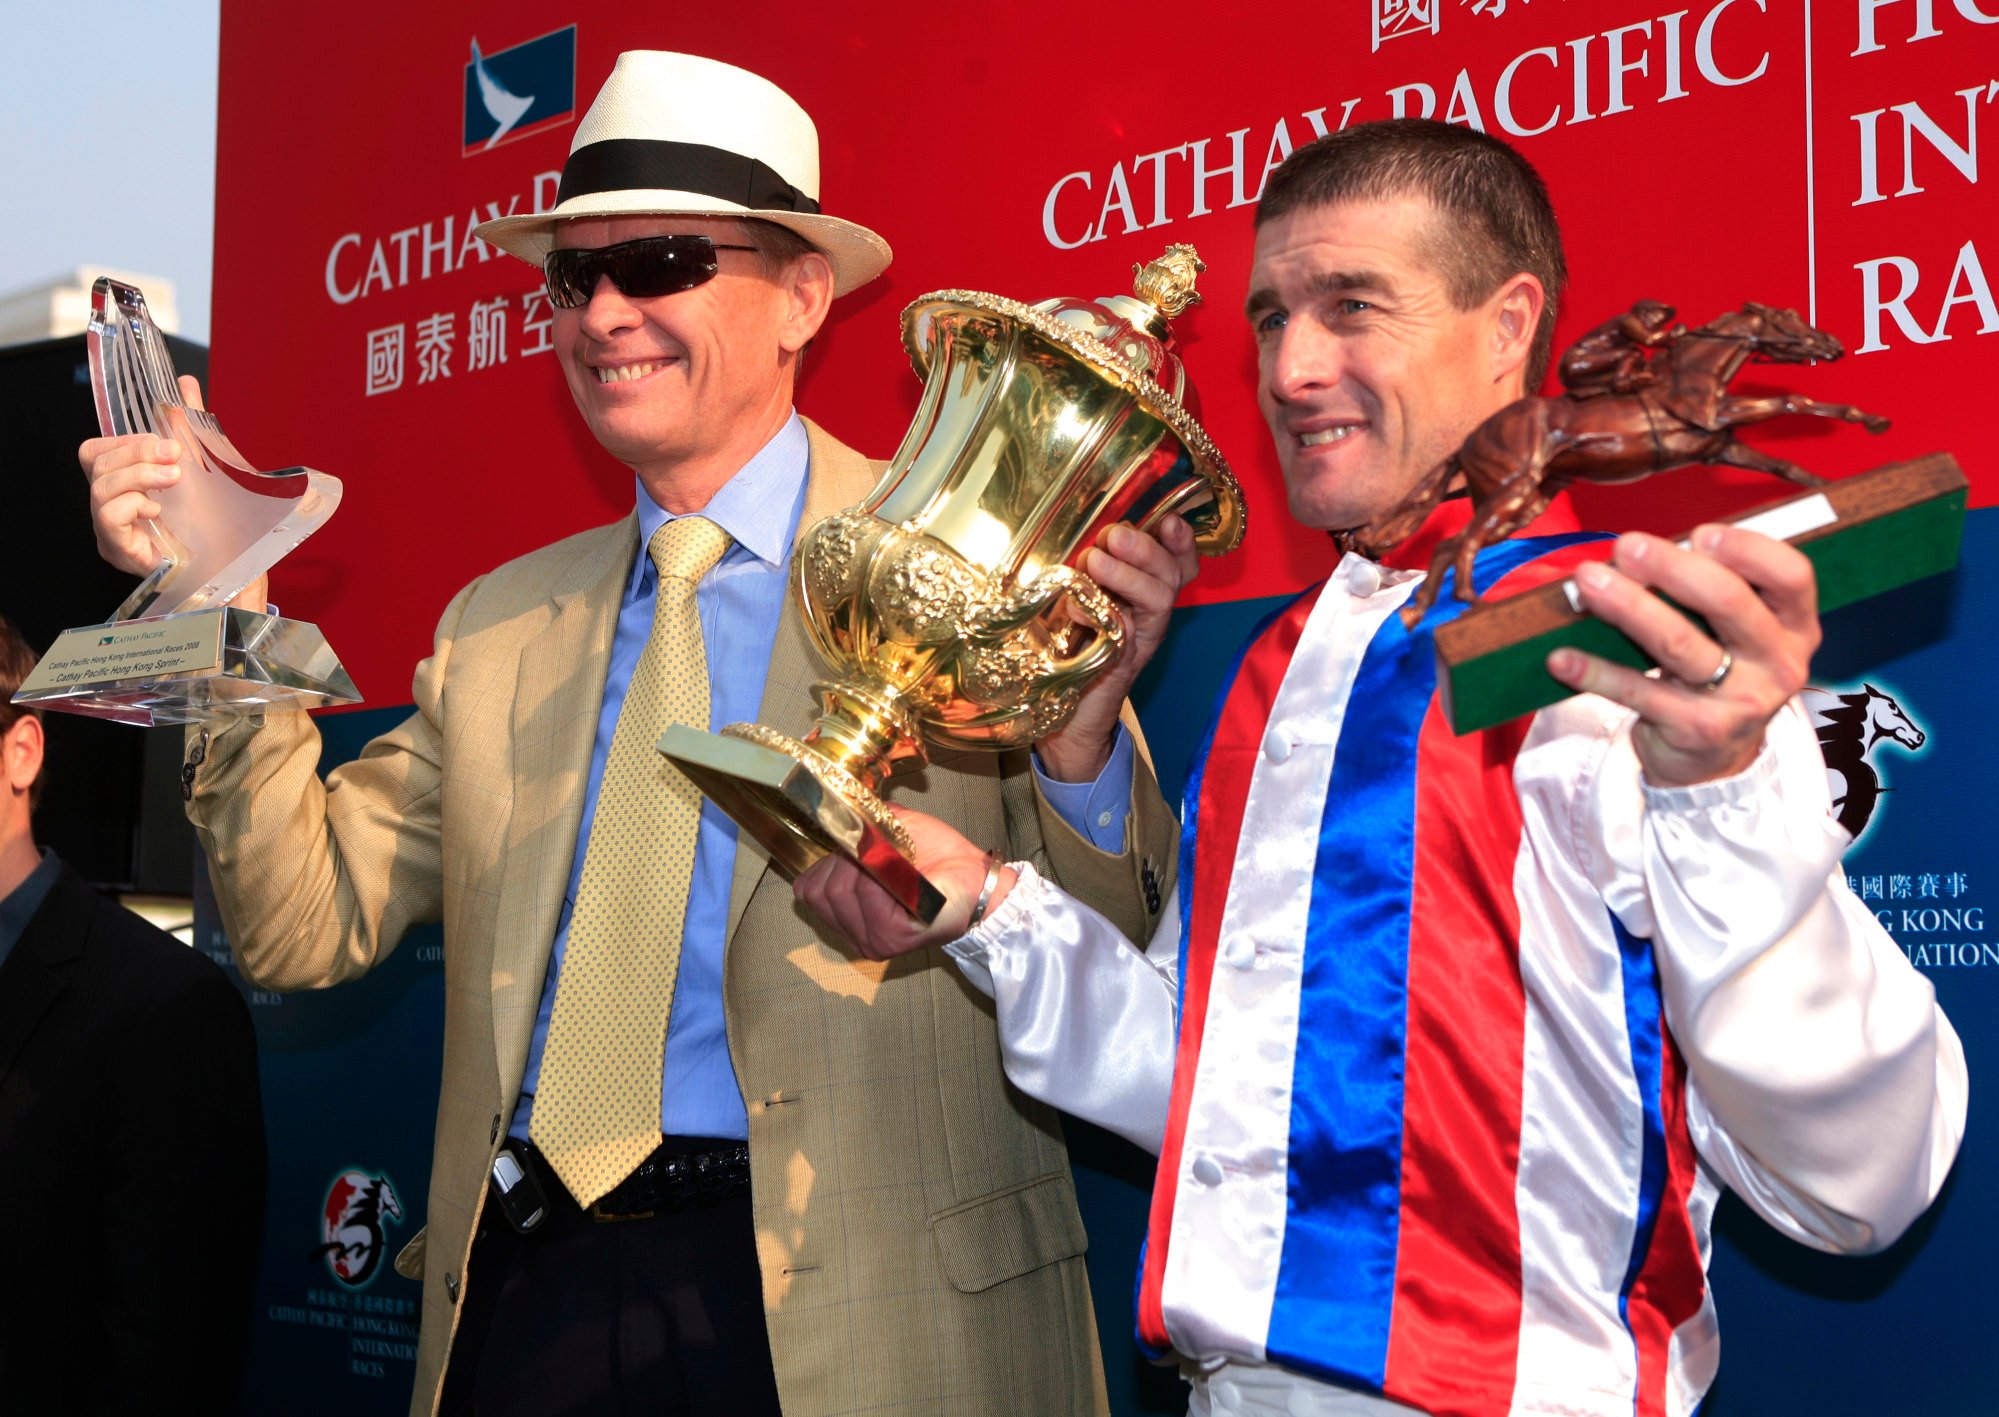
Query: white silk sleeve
{"x": 1826, "y": 1086}
{"x": 1086, "y": 1020}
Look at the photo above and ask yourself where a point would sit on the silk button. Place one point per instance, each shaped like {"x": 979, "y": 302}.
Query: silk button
{"x": 1276, "y": 746}
{"x": 1364, "y": 579}
{"x": 1239, "y": 952}
{"x": 1208, "y": 1171}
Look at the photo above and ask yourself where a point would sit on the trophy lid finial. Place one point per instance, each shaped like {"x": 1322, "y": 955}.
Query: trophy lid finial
{"x": 1167, "y": 282}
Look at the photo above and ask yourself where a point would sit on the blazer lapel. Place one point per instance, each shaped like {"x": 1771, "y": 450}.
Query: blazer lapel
{"x": 558, "y": 693}
{"x": 38, "y": 968}
{"x": 836, "y": 477}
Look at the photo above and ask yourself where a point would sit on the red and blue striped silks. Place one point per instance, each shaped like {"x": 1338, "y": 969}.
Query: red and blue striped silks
{"x": 1394, "y": 1259}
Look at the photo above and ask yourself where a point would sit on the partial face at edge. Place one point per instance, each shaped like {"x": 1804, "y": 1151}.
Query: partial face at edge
{"x": 1367, "y": 375}
{"x": 20, "y": 764}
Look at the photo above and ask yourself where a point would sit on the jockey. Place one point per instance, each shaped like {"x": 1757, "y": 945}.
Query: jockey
{"x": 1611, "y": 358}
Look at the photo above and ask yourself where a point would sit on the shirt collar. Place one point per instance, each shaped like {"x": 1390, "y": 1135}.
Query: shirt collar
{"x": 758, "y": 506}
{"x": 24, "y": 900}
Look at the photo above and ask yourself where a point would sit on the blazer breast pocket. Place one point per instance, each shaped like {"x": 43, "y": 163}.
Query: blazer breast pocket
{"x": 1009, "y": 1232}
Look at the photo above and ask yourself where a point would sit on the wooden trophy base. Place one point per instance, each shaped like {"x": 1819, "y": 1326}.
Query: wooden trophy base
{"x": 1864, "y": 535}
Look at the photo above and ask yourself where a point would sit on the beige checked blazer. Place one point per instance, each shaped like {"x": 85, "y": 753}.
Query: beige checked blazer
{"x": 916, "y": 1223}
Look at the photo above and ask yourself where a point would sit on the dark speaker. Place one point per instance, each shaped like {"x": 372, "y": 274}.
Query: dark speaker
{"x": 110, "y": 794}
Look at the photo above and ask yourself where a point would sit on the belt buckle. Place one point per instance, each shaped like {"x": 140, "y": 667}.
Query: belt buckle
{"x": 607, "y": 1217}
{"x": 640, "y": 1177}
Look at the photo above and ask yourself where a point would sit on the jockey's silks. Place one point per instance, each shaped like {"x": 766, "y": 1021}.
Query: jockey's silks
{"x": 1377, "y": 1107}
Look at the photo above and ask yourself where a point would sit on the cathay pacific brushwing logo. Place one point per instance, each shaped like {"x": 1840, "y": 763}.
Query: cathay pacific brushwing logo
{"x": 517, "y": 92}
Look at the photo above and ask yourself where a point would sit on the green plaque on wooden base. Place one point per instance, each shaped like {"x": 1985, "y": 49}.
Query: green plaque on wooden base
{"x": 1864, "y": 535}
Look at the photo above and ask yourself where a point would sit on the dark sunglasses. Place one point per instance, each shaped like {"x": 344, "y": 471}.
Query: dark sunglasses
{"x": 649, "y": 266}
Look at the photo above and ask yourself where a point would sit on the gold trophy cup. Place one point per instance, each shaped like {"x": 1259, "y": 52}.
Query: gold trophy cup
{"x": 946, "y": 605}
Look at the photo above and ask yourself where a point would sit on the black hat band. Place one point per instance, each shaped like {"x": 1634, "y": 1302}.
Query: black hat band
{"x": 653, "y": 164}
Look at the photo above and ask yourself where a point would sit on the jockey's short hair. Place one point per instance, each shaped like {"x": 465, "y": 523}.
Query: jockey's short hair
{"x": 1498, "y": 219}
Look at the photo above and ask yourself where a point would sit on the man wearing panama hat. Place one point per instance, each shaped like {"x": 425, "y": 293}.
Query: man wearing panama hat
{"x": 691, "y": 1155}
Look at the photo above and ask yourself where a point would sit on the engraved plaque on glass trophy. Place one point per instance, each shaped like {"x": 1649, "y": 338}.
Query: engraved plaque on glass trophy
{"x": 176, "y": 651}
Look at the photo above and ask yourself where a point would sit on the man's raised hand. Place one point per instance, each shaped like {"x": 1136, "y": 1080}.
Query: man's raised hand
{"x": 1704, "y": 716}
{"x": 124, "y": 474}
{"x": 846, "y": 898}
{"x": 1145, "y": 575}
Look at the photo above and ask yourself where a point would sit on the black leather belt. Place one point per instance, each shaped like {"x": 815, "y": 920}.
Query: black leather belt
{"x": 675, "y": 1176}
{"x": 677, "y": 1180}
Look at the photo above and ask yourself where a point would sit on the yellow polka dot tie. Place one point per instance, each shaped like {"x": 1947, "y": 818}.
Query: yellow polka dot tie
{"x": 596, "y": 1108}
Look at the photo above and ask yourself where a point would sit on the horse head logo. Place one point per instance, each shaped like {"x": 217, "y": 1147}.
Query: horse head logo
{"x": 1850, "y": 724}
{"x": 358, "y": 1204}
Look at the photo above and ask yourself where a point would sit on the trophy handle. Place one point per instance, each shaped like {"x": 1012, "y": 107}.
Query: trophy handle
{"x": 1040, "y": 601}
{"x": 1101, "y": 614}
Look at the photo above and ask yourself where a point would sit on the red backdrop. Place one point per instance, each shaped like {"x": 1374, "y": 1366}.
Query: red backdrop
{"x": 1727, "y": 150}
{"x": 1824, "y": 154}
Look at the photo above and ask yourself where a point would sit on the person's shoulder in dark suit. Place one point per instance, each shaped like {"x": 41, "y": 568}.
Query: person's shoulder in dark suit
{"x": 131, "y": 1165}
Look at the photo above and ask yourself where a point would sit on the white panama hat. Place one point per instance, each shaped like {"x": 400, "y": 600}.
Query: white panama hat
{"x": 680, "y": 135}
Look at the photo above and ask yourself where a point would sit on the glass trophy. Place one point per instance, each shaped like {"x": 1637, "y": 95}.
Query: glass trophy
{"x": 176, "y": 651}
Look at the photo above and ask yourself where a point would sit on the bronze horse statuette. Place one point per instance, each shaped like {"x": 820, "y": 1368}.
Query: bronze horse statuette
{"x": 1627, "y": 414}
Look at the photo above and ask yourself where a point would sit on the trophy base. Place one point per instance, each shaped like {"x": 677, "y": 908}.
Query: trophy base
{"x": 188, "y": 668}
{"x": 1864, "y": 535}
{"x": 801, "y": 808}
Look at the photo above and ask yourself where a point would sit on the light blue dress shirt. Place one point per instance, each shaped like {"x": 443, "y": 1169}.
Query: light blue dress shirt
{"x": 739, "y": 603}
